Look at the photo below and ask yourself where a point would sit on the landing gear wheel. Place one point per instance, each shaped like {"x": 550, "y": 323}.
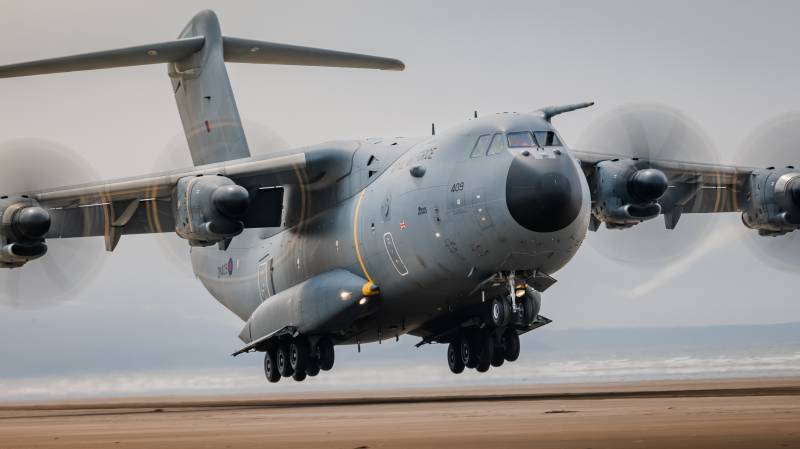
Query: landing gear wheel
{"x": 528, "y": 311}
{"x": 510, "y": 345}
{"x": 498, "y": 354}
{"x": 284, "y": 366}
{"x": 313, "y": 367}
{"x": 271, "y": 366}
{"x": 325, "y": 354}
{"x": 498, "y": 313}
{"x": 469, "y": 351}
{"x": 454, "y": 357}
{"x": 299, "y": 376}
{"x": 298, "y": 355}
{"x": 487, "y": 352}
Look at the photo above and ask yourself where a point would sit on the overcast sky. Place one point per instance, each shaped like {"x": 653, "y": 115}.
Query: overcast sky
{"x": 730, "y": 66}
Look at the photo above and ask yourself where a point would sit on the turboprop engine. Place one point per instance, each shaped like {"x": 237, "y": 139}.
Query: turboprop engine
{"x": 773, "y": 202}
{"x": 209, "y": 209}
{"x": 23, "y": 227}
{"x": 626, "y": 194}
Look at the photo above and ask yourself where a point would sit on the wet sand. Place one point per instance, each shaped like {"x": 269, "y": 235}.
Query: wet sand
{"x": 691, "y": 414}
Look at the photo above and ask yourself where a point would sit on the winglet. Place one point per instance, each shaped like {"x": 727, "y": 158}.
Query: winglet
{"x": 549, "y": 112}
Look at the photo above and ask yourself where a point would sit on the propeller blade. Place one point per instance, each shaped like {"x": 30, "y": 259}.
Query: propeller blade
{"x": 70, "y": 264}
{"x": 650, "y": 132}
{"x": 774, "y": 143}
{"x": 261, "y": 140}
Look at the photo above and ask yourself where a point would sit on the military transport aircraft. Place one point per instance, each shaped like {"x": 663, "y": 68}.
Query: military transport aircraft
{"x": 450, "y": 237}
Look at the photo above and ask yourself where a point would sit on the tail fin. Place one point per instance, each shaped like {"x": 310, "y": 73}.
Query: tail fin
{"x": 199, "y": 78}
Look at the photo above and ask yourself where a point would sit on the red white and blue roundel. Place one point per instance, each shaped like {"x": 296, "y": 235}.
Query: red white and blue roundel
{"x": 230, "y": 266}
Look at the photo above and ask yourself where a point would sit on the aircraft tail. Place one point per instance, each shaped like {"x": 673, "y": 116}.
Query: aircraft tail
{"x": 196, "y": 66}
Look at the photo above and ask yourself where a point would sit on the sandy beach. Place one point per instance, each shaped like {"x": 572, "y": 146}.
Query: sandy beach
{"x": 693, "y": 414}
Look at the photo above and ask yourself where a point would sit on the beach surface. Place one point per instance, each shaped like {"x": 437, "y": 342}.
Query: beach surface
{"x": 753, "y": 413}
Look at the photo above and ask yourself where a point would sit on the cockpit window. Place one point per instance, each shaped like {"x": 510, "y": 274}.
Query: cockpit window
{"x": 521, "y": 140}
{"x": 481, "y": 145}
{"x": 498, "y": 144}
{"x": 547, "y": 139}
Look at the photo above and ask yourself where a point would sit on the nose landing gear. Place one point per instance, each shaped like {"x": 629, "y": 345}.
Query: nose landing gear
{"x": 297, "y": 358}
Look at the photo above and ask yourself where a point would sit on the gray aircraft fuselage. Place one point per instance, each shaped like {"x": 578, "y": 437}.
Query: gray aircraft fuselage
{"x": 423, "y": 218}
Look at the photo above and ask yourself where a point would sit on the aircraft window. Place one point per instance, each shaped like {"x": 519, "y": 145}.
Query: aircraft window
{"x": 498, "y": 144}
{"x": 481, "y": 146}
{"x": 547, "y": 139}
{"x": 521, "y": 140}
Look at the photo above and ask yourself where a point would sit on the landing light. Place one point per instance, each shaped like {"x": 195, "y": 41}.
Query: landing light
{"x": 345, "y": 295}
{"x": 520, "y": 293}
{"x": 362, "y": 301}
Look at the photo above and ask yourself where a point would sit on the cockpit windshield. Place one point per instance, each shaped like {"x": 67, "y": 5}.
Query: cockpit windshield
{"x": 522, "y": 139}
{"x": 547, "y": 139}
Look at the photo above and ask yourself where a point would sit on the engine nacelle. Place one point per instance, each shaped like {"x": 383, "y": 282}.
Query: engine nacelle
{"x": 625, "y": 194}
{"x": 773, "y": 201}
{"x": 23, "y": 227}
{"x": 209, "y": 209}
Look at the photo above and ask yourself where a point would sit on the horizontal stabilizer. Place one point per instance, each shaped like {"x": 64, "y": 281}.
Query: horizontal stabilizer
{"x": 132, "y": 56}
{"x": 234, "y": 50}
{"x": 260, "y": 52}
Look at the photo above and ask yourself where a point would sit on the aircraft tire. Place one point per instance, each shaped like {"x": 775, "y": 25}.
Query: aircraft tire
{"x": 299, "y": 376}
{"x": 271, "y": 366}
{"x": 511, "y": 345}
{"x": 313, "y": 367}
{"x": 454, "y": 360}
{"x": 284, "y": 366}
{"x": 469, "y": 350}
{"x": 299, "y": 355}
{"x": 498, "y": 355}
{"x": 498, "y": 313}
{"x": 528, "y": 316}
{"x": 325, "y": 354}
{"x": 486, "y": 352}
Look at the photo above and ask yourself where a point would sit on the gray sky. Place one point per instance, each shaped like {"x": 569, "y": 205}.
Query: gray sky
{"x": 729, "y": 66}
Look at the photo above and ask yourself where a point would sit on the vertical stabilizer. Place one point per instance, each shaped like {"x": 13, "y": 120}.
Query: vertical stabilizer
{"x": 205, "y": 99}
{"x": 196, "y": 66}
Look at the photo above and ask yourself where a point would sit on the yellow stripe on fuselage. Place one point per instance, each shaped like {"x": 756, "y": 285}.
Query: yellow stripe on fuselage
{"x": 355, "y": 236}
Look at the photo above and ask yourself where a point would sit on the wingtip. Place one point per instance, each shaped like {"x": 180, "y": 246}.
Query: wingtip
{"x": 395, "y": 64}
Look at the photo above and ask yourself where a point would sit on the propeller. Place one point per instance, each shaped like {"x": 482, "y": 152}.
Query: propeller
{"x": 774, "y": 143}
{"x": 650, "y": 131}
{"x": 175, "y": 155}
{"x": 29, "y": 165}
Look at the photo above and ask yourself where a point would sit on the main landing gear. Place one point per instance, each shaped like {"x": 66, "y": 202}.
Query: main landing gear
{"x": 495, "y": 341}
{"x": 482, "y": 348}
{"x": 297, "y": 358}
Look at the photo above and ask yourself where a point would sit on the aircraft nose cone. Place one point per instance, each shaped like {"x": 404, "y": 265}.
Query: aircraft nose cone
{"x": 543, "y": 195}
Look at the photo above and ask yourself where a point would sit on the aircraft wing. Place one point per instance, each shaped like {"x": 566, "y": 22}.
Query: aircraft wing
{"x": 145, "y": 204}
{"x": 693, "y": 187}
{"x": 627, "y": 191}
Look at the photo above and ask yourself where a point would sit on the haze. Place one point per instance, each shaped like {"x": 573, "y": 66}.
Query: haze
{"x": 729, "y": 66}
